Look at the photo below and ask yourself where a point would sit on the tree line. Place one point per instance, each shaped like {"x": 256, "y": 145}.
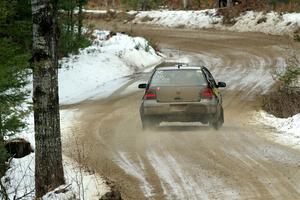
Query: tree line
{"x": 188, "y": 4}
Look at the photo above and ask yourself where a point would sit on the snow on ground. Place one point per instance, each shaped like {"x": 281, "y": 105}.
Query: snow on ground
{"x": 86, "y": 75}
{"x": 190, "y": 19}
{"x": 19, "y": 179}
{"x": 94, "y": 11}
{"x": 270, "y": 23}
{"x": 97, "y": 71}
{"x": 287, "y": 130}
{"x": 250, "y": 21}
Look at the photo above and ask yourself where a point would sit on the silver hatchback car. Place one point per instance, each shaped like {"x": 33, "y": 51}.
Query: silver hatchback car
{"x": 181, "y": 93}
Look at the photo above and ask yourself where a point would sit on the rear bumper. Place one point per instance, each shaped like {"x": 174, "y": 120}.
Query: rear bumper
{"x": 179, "y": 111}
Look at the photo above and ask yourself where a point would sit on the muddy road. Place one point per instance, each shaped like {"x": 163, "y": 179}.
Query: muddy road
{"x": 192, "y": 161}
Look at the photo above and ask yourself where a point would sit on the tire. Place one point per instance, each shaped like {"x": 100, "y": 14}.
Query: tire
{"x": 148, "y": 123}
{"x": 218, "y": 123}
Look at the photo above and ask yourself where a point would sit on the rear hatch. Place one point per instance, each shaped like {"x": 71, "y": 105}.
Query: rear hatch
{"x": 178, "y": 94}
{"x": 178, "y": 85}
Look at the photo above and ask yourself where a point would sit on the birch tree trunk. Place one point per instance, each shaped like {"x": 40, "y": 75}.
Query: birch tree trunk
{"x": 48, "y": 153}
{"x": 228, "y": 3}
{"x": 113, "y": 3}
{"x": 185, "y": 4}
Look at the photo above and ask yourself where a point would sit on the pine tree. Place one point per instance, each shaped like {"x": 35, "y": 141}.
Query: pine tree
{"x": 13, "y": 63}
{"x": 14, "y": 56}
{"x": 68, "y": 6}
{"x": 13, "y": 73}
{"x": 81, "y": 3}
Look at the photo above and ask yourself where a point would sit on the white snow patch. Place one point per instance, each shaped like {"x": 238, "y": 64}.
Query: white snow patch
{"x": 19, "y": 178}
{"x": 94, "y": 11}
{"x": 288, "y": 129}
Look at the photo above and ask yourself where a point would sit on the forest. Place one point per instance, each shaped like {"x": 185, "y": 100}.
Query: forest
{"x": 280, "y": 5}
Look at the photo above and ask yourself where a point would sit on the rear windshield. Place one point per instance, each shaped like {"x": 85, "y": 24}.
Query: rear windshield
{"x": 184, "y": 77}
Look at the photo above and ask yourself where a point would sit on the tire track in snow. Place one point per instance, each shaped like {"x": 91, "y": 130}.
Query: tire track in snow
{"x": 136, "y": 170}
{"x": 178, "y": 184}
{"x": 169, "y": 178}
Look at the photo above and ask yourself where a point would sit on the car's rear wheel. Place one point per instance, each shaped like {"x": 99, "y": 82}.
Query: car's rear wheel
{"x": 218, "y": 122}
{"x": 149, "y": 123}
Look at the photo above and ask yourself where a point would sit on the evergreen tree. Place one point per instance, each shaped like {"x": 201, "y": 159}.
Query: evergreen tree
{"x": 13, "y": 74}
{"x": 70, "y": 40}
{"x": 81, "y": 3}
{"x": 68, "y": 6}
{"x": 15, "y": 40}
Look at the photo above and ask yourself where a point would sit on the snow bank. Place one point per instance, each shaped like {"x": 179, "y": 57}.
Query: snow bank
{"x": 250, "y": 21}
{"x": 19, "y": 181}
{"x": 19, "y": 178}
{"x": 288, "y": 129}
{"x": 80, "y": 183}
{"x": 190, "y": 19}
{"x": 84, "y": 76}
{"x": 270, "y": 23}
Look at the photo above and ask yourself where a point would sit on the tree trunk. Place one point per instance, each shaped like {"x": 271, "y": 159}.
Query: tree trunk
{"x": 223, "y": 3}
{"x": 113, "y": 3}
{"x": 228, "y": 3}
{"x": 49, "y": 172}
{"x": 145, "y": 4}
{"x": 72, "y": 21}
{"x": 68, "y": 21}
{"x": 1, "y": 128}
{"x": 185, "y": 4}
{"x": 80, "y": 17}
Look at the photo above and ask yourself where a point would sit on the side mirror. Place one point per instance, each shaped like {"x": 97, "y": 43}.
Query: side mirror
{"x": 143, "y": 86}
{"x": 221, "y": 84}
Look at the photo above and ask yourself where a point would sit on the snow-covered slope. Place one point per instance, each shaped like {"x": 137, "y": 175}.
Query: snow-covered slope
{"x": 188, "y": 19}
{"x": 287, "y": 130}
{"x": 84, "y": 76}
{"x": 270, "y": 23}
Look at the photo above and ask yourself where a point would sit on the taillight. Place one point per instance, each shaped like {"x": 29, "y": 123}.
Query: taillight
{"x": 150, "y": 94}
{"x": 207, "y": 93}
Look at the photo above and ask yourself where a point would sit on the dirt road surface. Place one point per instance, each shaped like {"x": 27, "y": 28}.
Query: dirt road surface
{"x": 192, "y": 161}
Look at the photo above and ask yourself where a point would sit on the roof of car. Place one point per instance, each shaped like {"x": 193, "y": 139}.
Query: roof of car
{"x": 172, "y": 66}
